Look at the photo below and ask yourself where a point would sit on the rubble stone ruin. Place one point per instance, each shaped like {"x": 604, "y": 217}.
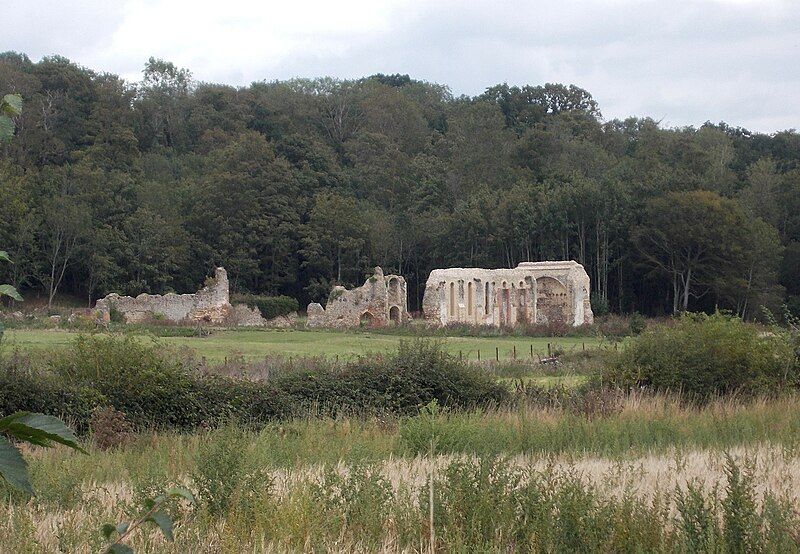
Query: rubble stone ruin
{"x": 211, "y": 303}
{"x": 531, "y": 293}
{"x": 381, "y": 301}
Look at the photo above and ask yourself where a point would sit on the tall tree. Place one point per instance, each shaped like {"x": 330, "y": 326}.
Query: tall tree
{"x": 693, "y": 238}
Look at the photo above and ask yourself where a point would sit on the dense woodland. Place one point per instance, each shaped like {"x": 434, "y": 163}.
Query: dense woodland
{"x": 296, "y": 185}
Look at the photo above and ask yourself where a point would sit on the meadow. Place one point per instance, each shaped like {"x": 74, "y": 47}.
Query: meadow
{"x": 258, "y": 343}
{"x": 404, "y": 447}
{"x": 653, "y": 476}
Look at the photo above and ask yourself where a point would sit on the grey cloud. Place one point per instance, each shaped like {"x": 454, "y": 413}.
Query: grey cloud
{"x": 686, "y": 61}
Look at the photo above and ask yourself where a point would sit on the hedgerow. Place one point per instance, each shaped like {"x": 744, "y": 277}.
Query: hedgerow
{"x": 154, "y": 389}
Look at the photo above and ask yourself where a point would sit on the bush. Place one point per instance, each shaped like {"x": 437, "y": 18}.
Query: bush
{"x": 110, "y": 428}
{"x": 401, "y": 383}
{"x": 599, "y": 305}
{"x": 269, "y": 306}
{"x": 702, "y": 355}
{"x": 146, "y": 382}
{"x": 637, "y": 323}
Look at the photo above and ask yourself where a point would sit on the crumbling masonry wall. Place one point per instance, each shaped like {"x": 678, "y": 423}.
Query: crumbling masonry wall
{"x": 531, "y": 293}
{"x": 209, "y": 304}
{"x": 380, "y": 302}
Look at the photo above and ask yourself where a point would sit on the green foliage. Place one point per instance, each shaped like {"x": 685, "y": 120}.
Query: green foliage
{"x": 10, "y": 107}
{"x": 599, "y": 305}
{"x": 221, "y": 465}
{"x": 154, "y": 389}
{"x": 296, "y": 185}
{"x": 268, "y": 306}
{"x": 702, "y": 355}
{"x": 153, "y": 511}
{"x": 36, "y": 429}
{"x": 115, "y": 315}
{"x": 637, "y": 323}
{"x": 401, "y": 383}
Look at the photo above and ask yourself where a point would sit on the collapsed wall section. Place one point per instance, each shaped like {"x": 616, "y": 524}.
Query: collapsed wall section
{"x": 209, "y": 304}
{"x": 381, "y": 301}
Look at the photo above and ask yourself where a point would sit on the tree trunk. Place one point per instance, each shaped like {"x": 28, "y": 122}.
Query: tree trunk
{"x": 686, "y": 288}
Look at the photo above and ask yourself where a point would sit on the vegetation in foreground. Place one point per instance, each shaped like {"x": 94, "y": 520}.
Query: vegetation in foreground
{"x": 320, "y": 484}
{"x": 418, "y": 451}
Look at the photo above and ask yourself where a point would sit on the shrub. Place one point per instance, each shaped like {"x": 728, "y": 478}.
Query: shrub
{"x": 637, "y": 323}
{"x": 703, "y": 355}
{"x": 154, "y": 389}
{"x": 401, "y": 383}
{"x": 220, "y": 467}
{"x": 599, "y": 305}
{"x": 269, "y": 306}
{"x": 114, "y": 315}
{"x": 110, "y": 428}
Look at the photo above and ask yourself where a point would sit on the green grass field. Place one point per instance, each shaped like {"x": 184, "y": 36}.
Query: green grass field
{"x": 253, "y": 344}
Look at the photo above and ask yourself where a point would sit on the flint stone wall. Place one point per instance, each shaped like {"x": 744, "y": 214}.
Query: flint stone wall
{"x": 381, "y": 301}
{"x": 531, "y": 293}
{"x": 209, "y": 304}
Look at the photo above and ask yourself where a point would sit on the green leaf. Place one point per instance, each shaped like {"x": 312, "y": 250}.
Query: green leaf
{"x": 39, "y": 429}
{"x": 13, "y": 467}
{"x": 13, "y": 104}
{"x": 4, "y": 256}
{"x": 182, "y": 493}
{"x": 8, "y": 290}
{"x": 107, "y": 529}
{"x": 164, "y": 523}
{"x": 6, "y": 127}
{"x": 119, "y": 548}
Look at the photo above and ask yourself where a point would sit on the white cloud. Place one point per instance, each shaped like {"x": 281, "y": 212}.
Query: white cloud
{"x": 686, "y": 61}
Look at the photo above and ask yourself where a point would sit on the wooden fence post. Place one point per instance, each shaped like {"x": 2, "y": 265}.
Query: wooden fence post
{"x": 497, "y": 353}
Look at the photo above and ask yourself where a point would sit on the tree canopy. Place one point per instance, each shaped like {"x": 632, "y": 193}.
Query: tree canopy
{"x": 296, "y": 185}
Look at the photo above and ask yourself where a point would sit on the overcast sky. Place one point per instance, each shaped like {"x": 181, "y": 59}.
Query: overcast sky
{"x": 681, "y": 61}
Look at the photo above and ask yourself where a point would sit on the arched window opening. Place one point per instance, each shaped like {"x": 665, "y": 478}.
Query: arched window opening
{"x": 469, "y": 298}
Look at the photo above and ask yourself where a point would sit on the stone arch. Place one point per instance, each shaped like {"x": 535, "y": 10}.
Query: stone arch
{"x": 552, "y": 302}
{"x": 394, "y": 289}
{"x": 394, "y": 315}
{"x": 366, "y": 319}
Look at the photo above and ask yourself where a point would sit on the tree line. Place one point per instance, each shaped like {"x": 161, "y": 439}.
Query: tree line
{"x": 294, "y": 186}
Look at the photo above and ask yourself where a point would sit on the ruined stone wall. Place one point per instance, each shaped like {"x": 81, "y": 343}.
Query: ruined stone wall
{"x": 532, "y": 292}
{"x": 381, "y": 301}
{"x": 209, "y": 304}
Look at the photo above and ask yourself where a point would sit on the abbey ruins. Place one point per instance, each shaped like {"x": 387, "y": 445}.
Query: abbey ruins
{"x": 381, "y": 301}
{"x": 531, "y": 293}
{"x": 211, "y": 304}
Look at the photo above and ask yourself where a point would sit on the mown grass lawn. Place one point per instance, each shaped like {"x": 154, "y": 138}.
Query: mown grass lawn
{"x": 256, "y": 343}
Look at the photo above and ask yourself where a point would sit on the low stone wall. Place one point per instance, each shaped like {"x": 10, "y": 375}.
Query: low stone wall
{"x": 210, "y": 304}
{"x": 379, "y": 302}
